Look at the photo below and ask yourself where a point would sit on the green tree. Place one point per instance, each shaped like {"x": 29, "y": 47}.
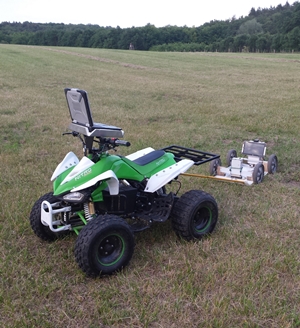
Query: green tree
{"x": 277, "y": 42}
{"x": 240, "y": 42}
{"x": 294, "y": 39}
{"x": 263, "y": 43}
{"x": 250, "y": 27}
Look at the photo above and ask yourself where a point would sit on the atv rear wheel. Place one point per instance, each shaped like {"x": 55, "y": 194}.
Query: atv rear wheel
{"x": 105, "y": 245}
{"x": 195, "y": 215}
{"x": 37, "y": 226}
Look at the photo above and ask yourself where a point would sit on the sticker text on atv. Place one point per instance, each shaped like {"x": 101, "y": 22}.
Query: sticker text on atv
{"x": 83, "y": 174}
{"x": 161, "y": 161}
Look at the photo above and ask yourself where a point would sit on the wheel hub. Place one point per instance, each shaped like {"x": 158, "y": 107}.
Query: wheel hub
{"x": 110, "y": 250}
{"x": 107, "y": 246}
{"x": 202, "y": 219}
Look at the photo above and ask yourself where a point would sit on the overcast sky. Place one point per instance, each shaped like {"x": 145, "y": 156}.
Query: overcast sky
{"x": 128, "y": 13}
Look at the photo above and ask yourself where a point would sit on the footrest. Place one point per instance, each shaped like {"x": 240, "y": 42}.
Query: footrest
{"x": 160, "y": 210}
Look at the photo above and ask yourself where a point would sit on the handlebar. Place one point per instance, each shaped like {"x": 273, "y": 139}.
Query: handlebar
{"x": 74, "y": 133}
{"x": 118, "y": 142}
{"x": 114, "y": 142}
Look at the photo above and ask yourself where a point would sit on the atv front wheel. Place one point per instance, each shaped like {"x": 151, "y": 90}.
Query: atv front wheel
{"x": 105, "y": 245}
{"x": 194, "y": 215}
{"x": 37, "y": 226}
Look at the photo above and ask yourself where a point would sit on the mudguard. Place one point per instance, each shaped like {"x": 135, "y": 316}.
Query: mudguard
{"x": 164, "y": 176}
{"x": 112, "y": 182}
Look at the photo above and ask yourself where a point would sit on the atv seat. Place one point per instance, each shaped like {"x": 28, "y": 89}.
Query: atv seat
{"x": 151, "y": 163}
{"x": 82, "y": 120}
{"x": 148, "y": 158}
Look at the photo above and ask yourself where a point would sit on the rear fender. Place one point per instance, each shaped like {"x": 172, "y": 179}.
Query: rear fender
{"x": 161, "y": 178}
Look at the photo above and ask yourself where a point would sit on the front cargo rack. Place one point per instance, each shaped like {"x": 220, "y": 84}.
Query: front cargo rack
{"x": 198, "y": 156}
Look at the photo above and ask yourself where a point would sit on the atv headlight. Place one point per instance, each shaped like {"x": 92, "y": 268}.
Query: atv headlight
{"x": 75, "y": 197}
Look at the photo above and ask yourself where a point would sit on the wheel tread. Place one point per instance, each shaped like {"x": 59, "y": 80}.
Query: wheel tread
{"x": 89, "y": 232}
{"x": 183, "y": 210}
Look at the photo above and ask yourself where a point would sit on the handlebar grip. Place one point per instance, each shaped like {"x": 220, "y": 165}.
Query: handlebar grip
{"x": 122, "y": 143}
{"x": 74, "y": 133}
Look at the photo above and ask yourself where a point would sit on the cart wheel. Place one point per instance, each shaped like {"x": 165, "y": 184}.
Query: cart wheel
{"x": 258, "y": 173}
{"x": 213, "y": 166}
{"x": 105, "y": 245}
{"x": 272, "y": 164}
{"x": 194, "y": 215}
{"x": 230, "y": 155}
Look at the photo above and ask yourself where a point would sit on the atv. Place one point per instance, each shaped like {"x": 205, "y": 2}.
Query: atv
{"x": 106, "y": 198}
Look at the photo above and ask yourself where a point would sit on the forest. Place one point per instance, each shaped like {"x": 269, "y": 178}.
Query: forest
{"x": 274, "y": 29}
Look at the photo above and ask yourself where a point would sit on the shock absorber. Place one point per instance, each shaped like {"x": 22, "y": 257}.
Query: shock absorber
{"x": 89, "y": 210}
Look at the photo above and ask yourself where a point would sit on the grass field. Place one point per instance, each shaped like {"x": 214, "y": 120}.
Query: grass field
{"x": 246, "y": 274}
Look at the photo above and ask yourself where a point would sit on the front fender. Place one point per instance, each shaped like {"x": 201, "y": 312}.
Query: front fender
{"x": 111, "y": 180}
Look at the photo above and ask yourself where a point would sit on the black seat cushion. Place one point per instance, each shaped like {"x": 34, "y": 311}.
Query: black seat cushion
{"x": 148, "y": 158}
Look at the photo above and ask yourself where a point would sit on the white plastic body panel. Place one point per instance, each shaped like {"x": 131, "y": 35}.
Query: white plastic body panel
{"x": 113, "y": 182}
{"x": 70, "y": 160}
{"x": 139, "y": 153}
{"x": 164, "y": 176}
{"x": 84, "y": 164}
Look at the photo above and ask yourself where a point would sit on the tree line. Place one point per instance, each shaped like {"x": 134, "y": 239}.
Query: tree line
{"x": 263, "y": 30}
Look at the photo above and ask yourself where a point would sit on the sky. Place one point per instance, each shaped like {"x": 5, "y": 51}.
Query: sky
{"x": 129, "y": 13}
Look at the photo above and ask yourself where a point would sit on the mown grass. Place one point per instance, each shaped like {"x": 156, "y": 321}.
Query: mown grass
{"x": 245, "y": 275}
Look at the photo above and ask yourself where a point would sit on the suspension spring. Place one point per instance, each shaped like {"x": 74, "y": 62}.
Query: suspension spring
{"x": 87, "y": 213}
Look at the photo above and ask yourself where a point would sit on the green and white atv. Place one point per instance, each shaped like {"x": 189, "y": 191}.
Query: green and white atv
{"x": 105, "y": 198}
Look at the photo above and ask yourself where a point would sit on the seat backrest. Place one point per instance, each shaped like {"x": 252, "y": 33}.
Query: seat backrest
{"x": 254, "y": 148}
{"x": 82, "y": 120}
{"x": 79, "y": 107}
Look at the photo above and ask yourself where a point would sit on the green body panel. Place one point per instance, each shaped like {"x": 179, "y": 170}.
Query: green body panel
{"x": 60, "y": 178}
{"x": 121, "y": 166}
{"x": 107, "y": 162}
{"x": 97, "y": 195}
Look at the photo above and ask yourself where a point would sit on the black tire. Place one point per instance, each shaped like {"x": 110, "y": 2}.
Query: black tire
{"x": 195, "y": 214}
{"x": 104, "y": 246}
{"x": 272, "y": 164}
{"x": 258, "y": 173}
{"x": 213, "y": 166}
{"x": 230, "y": 155}
{"x": 37, "y": 226}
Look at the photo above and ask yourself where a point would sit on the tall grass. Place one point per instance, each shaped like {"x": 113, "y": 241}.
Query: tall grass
{"x": 245, "y": 275}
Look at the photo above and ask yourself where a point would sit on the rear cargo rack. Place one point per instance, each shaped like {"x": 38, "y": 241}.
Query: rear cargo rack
{"x": 198, "y": 156}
